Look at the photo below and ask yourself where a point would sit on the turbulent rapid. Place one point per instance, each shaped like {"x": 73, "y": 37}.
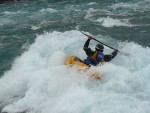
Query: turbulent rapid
{"x": 40, "y": 82}
{"x": 37, "y": 36}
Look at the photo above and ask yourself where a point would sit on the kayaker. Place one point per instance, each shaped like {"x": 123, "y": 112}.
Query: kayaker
{"x": 96, "y": 57}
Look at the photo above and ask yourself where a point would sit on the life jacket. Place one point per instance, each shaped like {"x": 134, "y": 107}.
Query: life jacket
{"x": 95, "y": 59}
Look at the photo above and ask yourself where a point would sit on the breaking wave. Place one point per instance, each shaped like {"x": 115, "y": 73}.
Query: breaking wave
{"x": 40, "y": 82}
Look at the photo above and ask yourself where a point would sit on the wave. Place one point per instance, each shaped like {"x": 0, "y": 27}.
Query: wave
{"x": 106, "y": 21}
{"x": 134, "y": 5}
{"x": 110, "y": 22}
{"x": 49, "y": 10}
{"x": 40, "y": 82}
{"x": 13, "y": 13}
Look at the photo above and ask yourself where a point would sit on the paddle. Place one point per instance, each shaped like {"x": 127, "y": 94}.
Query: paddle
{"x": 97, "y": 40}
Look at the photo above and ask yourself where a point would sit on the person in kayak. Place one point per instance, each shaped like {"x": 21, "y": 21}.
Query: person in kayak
{"x": 96, "y": 57}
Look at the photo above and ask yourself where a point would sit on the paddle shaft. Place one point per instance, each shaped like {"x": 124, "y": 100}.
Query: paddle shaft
{"x": 97, "y": 40}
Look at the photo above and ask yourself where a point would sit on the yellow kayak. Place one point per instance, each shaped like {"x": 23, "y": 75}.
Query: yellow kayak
{"x": 74, "y": 61}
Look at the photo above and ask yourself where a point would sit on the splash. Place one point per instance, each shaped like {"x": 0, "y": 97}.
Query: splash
{"x": 49, "y": 10}
{"x": 110, "y": 22}
{"x": 40, "y": 82}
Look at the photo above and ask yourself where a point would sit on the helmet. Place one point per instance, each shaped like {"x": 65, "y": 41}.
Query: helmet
{"x": 99, "y": 47}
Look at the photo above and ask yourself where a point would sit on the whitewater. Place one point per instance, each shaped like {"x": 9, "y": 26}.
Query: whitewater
{"x": 37, "y": 36}
{"x": 39, "y": 82}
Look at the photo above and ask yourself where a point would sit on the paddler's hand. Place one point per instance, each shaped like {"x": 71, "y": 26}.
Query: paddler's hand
{"x": 114, "y": 53}
{"x": 90, "y": 37}
{"x": 116, "y": 50}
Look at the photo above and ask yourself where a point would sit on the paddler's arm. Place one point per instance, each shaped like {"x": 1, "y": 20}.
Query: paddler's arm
{"x": 86, "y": 48}
{"x": 109, "y": 57}
{"x": 86, "y": 45}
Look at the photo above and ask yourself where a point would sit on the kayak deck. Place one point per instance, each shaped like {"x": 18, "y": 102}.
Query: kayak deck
{"x": 81, "y": 67}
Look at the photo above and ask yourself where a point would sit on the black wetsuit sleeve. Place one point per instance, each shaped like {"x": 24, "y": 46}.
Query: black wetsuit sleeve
{"x": 86, "y": 48}
{"x": 109, "y": 57}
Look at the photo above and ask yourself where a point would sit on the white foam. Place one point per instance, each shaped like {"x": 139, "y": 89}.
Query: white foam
{"x": 90, "y": 13}
{"x": 106, "y": 21}
{"x": 35, "y": 27}
{"x": 91, "y": 3}
{"x": 13, "y": 13}
{"x": 26, "y": 45}
{"x": 49, "y": 10}
{"x": 110, "y": 22}
{"x": 40, "y": 82}
{"x": 136, "y": 6}
{"x": 7, "y": 22}
{"x": 124, "y": 5}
